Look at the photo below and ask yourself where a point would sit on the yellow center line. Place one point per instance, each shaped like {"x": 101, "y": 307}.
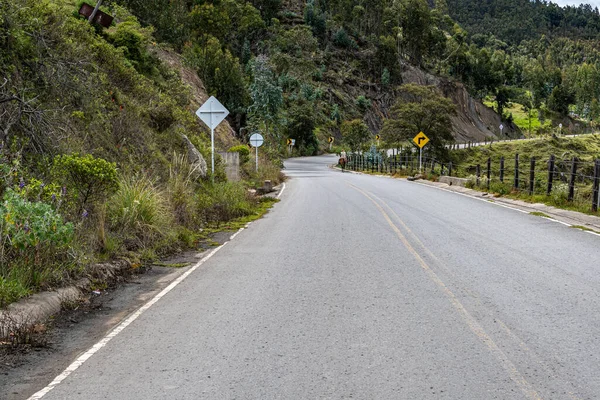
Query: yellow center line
{"x": 471, "y": 322}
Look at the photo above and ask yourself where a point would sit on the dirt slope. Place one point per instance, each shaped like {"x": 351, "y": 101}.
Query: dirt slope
{"x": 224, "y": 134}
{"x": 473, "y": 121}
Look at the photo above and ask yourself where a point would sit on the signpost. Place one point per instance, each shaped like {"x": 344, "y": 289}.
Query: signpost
{"x": 291, "y": 143}
{"x": 377, "y": 137}
{"x": 501, "y": 129}
{"x": 421, "y": 140}
{"x": 256, "y": 140}
{"x": 330, "y": 140}
{"x": 560, "y": 128}
{"x": 212, "y": 113}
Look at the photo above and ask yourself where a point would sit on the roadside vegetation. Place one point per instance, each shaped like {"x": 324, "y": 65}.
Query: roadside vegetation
{"x": 92, "y": 162}
{"x": 581, "y": 150}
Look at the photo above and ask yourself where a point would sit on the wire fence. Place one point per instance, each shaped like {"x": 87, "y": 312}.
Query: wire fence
{"x": 564, "y": 182}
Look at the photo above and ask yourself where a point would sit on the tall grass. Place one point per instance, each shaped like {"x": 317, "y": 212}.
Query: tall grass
{"x": 139, "y": 211}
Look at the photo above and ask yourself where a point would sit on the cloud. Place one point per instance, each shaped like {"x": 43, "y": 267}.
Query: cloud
{"x": 594, "y": 3}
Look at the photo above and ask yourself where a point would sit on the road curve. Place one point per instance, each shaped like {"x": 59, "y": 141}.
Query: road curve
{"x": 365, "y": 287}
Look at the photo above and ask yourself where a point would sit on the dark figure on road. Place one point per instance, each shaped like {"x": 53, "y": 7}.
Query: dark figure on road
{"x": 343, "y": 160}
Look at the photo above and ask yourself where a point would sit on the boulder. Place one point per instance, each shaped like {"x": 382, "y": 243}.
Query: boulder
{"x": 195, "y": 158}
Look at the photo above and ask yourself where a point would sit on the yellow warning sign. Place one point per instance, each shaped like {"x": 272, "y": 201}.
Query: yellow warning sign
{"x": 330, "y": 139}
{"x": 421, "y": 140}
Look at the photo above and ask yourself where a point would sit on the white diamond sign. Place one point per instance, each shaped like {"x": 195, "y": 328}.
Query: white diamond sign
{"x": 212, "y": 113}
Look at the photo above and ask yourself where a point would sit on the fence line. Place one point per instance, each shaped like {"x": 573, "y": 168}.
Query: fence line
{"x": 569, "y": 181}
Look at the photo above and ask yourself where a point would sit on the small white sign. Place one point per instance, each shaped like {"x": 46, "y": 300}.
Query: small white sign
{"x": 256, "y": 140}
{"x": 293, "y": 142}
{"x": 560, "y": 126}
{"x": 501, "y": 126}
{"x": 212, "y": 113}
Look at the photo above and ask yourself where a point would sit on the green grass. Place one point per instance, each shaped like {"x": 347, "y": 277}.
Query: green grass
{"x": 584, "y": 228}
{"x": 521, "y": 119}
{"x": 586, "y": 148}
{"x": 539, "y": 214}
{"x": 171, "y": 265}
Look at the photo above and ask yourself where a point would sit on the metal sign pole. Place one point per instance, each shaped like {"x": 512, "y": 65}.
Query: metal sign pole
{"x": 420, "y": 159}
{"x": 212, "y": 142}
{"x": 256, "y": 150}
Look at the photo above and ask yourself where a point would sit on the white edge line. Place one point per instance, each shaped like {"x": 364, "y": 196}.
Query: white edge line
{"x": 113, "y": 333}
{"x": 281, "y": 192}
{"x": 500, "y": 205}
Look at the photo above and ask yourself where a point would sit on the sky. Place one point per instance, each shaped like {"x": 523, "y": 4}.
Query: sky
{"x": 594, "y": 3}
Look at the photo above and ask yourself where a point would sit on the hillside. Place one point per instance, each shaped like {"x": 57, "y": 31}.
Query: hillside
{"x": 513, "y": 21}
{"x": 92, "y": 156}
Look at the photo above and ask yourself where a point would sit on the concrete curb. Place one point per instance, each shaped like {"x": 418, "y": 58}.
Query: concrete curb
{"x": 24, "y": 315}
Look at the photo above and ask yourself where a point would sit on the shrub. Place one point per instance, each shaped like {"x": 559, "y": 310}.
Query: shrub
{"x": 243, "y": 151}
{"x": 363, "y": 103}
{"x": 560, "y": 193}
{"x": 35, "y": 244}
{"x": 222, "y": 202}
{"x": 180, "y": 188}
{"x": 138, "y": 211}
{"x": 92, "y": 178}
{"x": 343, "y": 40}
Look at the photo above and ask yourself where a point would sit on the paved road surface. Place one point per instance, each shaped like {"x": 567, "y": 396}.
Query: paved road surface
{"x": 369, "y": 288}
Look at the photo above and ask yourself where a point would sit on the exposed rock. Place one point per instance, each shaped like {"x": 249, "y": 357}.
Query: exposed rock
{"x": 195, "y": 158}
{"x": 224, "y": 134}
{"x": 473, "y": 121}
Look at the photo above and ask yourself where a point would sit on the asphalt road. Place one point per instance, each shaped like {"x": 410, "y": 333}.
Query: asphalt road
{"x": 365, "y": 287}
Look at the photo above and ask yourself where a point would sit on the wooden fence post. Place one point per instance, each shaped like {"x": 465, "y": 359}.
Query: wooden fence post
{"x": 489, "y": 169}
{"x": 596, "y": 185}
{"x": 516, "y": 185}
{"x": 550, "y": 174}
{"x": 572, "y": 180}
{"x": 531, "y": 175}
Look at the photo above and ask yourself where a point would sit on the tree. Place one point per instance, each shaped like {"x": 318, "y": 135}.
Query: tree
{"x": 560, "y": 99}
{"x": 355, "y": 134}
{"x": 267, "y": 96}
{"x": 502, "y": 97}
{"x": 300, "y": 125}
{"x": 420, "y": 109}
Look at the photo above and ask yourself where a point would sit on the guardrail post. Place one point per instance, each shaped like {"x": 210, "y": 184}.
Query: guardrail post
{"x": 596, "y": 185}
{"x": 572, "y": 180}
{"x": 531, "y": 175}
{"x": 502, "y": 169}
{"x": 550, "y": 174}
{"x": 516, "y": 185}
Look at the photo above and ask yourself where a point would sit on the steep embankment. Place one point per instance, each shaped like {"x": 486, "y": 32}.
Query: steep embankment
{"x": 224, "y": 133}
{"x": 473, "y": 121}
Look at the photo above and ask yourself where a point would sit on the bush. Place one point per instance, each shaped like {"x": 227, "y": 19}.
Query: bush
{"x": 343, "y": 40}
{"x": 92, "y": 178}
{"x": 222, "y": 202}
{"x": 363, "y": 103}
{"x": 243, "y": 151}
{"x": 35, "y": 244}
{"x": 180, "y": 188}
{"x": 139, "y": 212}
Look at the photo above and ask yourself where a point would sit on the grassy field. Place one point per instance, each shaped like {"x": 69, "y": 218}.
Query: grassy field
{"x": 585, "y": 148}
{"x": 521, "y": 119}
